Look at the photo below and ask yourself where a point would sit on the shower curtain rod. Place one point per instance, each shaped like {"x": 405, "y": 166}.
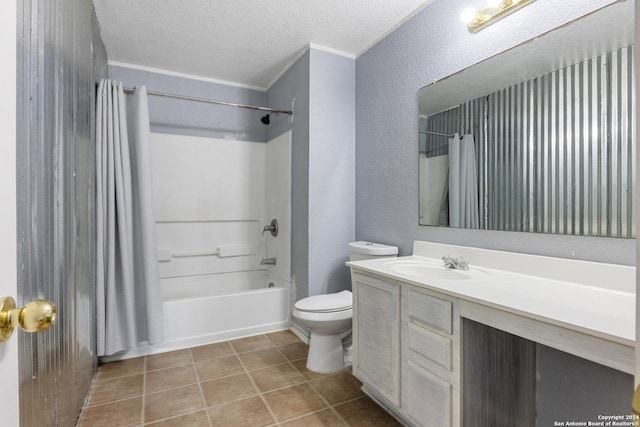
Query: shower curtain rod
{"x": 438, "y": 134}
{"x": 210, "y": 101}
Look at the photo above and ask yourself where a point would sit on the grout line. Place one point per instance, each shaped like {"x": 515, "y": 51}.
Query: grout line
{"x": 144, "y": 389}
{"x": 199, "y": 383}
{"x": 264, "y": 401}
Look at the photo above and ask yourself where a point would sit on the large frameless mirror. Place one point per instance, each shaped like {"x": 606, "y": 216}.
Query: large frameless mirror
{"x": 540, "y": 138}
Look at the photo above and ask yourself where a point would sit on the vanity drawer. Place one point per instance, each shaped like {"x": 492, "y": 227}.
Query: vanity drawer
{"x": 431, "y": 311}
{"x": 431, "y": 345}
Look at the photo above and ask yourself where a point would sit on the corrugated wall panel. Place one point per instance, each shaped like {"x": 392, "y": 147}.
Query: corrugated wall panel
{"x": 555, "y": 153}
{"x": 60, "y": 56}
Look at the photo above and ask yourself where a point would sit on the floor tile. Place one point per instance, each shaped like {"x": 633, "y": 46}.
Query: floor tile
{"x": 170, "y": 378}
{"x": 211, "y": 351}
{"x": 121, "y": 368}
{"x": 366, "y": 413}
{"x": 214, "y": 368}
{"x": 275, "y": 377}
{"x": 251, "y": 343}
{"x": 248, "y": 412}
{"x": 294, "y": 351}
{"x": 283, "y": 337}
{"x": 294, "y": 401}
{"x": 261, "y": 358}
{"x": 168, "y": 360}
{"x": 172, "y": 402}
{"x": 227, "y": 389}
{"x": 108, "y": 390}
{"x": 123, "y": 413}
{"x": 256, "y": 381}
{"x": 338, "y": 388}
{"x": 301, "y": 366}
{"x": 323, "y": 418}
{"x": 196, "y": 419}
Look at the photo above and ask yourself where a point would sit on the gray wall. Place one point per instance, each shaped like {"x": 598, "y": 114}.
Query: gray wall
{"x": 60, "y": 58}
{"x": 183, "y": 117}
{"x": 430, "y": 46}
{"x": 323, "y": 179}
{"x": 331, "y": 172}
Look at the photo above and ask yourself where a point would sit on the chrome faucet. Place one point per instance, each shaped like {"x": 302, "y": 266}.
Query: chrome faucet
{"x": 268, "y": 261}
{"x": 459, "y": 262}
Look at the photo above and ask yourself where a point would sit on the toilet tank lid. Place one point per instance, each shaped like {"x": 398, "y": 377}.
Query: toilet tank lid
{"x": 369, "y": 248}
{"x": 327, "y": 302}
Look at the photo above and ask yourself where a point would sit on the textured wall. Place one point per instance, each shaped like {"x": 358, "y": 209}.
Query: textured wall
{"x": 331, "y": 173}
{"x": 60, "y": 58}
{"x": 431, "y": 46}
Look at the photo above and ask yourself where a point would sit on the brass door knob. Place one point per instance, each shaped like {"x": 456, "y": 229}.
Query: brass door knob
{"x": 35, "y": 316}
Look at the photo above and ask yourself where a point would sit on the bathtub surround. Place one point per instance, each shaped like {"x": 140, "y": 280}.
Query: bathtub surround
{"x": 127, "y": 294}
{"x": 213, "y": 199}
{"x": 60, "y": 57}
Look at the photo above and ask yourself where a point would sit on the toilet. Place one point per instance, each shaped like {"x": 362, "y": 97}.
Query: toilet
{"x": 328, "y": 316}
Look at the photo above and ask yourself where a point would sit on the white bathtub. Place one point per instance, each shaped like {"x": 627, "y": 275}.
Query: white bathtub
{"x": 204, "y": 309}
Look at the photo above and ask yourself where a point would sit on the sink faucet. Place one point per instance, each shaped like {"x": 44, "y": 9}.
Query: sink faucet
{"x": 268, "y": 261}
{"x": 460, "y": 262}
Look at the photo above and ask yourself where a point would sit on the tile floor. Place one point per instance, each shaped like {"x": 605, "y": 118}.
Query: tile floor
{"x": 254, "y": 381}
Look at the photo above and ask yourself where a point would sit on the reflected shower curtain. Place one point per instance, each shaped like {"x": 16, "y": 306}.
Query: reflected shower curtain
{"x": 129, "y": 309}
{"x": 463, "y": 182}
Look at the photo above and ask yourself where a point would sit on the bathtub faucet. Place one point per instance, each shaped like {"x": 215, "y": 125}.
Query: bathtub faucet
{"x": 268, "y": 261}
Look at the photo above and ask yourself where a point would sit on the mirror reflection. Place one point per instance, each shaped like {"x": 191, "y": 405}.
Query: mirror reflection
{"x": 540, "y": 138}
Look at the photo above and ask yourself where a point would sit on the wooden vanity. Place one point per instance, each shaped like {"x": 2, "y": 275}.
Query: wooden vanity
{"x": 440, "y": 351}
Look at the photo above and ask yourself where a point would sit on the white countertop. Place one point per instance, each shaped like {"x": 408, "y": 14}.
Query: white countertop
{"x": 593, "y": 298}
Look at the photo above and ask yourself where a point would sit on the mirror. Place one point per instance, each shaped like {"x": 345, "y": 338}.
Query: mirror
{"x": 540, "y": 138}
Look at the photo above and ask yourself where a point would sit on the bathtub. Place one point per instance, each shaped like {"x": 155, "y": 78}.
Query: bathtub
{"x": 203, "y": 309}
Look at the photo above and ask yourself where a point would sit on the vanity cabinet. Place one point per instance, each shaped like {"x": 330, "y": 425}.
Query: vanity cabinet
{"x": 407, "y": 350}
{"x": 376, "y": 335}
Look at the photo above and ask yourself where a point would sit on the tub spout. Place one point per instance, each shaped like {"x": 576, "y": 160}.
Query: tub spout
{"x": 268, "y": 261}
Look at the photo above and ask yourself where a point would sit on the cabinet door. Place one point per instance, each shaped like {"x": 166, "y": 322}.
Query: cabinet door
{"x": 377, "y": 336}
{"x": 429, "y": 398}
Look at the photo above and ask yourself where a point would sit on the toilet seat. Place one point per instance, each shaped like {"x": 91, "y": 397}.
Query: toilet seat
{"x": 328, "y": 303}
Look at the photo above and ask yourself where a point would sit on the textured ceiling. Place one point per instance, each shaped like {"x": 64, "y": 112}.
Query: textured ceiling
{"x": 249, "y": 42}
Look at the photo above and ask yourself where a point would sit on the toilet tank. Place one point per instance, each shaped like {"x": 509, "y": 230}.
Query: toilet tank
{"x": 367, "y": 250}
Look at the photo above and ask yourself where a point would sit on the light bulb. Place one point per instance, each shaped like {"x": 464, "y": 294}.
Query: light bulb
{"x": 468, "y": 15}
{"x": 494, "y": 3}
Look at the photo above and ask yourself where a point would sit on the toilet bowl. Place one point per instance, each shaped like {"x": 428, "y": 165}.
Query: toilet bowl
{"x": 329, "y": 319}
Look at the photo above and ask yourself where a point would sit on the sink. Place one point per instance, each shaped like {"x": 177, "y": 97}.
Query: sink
{"x": 431, "y": 270}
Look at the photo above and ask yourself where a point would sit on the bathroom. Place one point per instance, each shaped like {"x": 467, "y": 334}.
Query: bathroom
{"x": 370, "y": 101}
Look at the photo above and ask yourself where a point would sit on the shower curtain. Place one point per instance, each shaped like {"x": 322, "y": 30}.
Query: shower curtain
{"x": 127, "y": 287}
{"x": 463, "y": 182}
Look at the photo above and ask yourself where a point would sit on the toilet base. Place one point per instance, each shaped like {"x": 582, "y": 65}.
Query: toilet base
{"x": 326, "y": 353}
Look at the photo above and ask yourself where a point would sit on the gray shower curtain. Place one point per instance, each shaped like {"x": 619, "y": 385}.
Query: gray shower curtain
{"x": 129, "y": 310}
{"x": 463, "y": 183}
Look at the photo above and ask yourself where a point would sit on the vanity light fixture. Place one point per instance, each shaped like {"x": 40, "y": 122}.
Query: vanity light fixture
{"x": 494, "y": 11}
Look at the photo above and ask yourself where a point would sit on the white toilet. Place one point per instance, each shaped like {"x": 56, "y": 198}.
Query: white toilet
{"x": 329, "y": 316}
